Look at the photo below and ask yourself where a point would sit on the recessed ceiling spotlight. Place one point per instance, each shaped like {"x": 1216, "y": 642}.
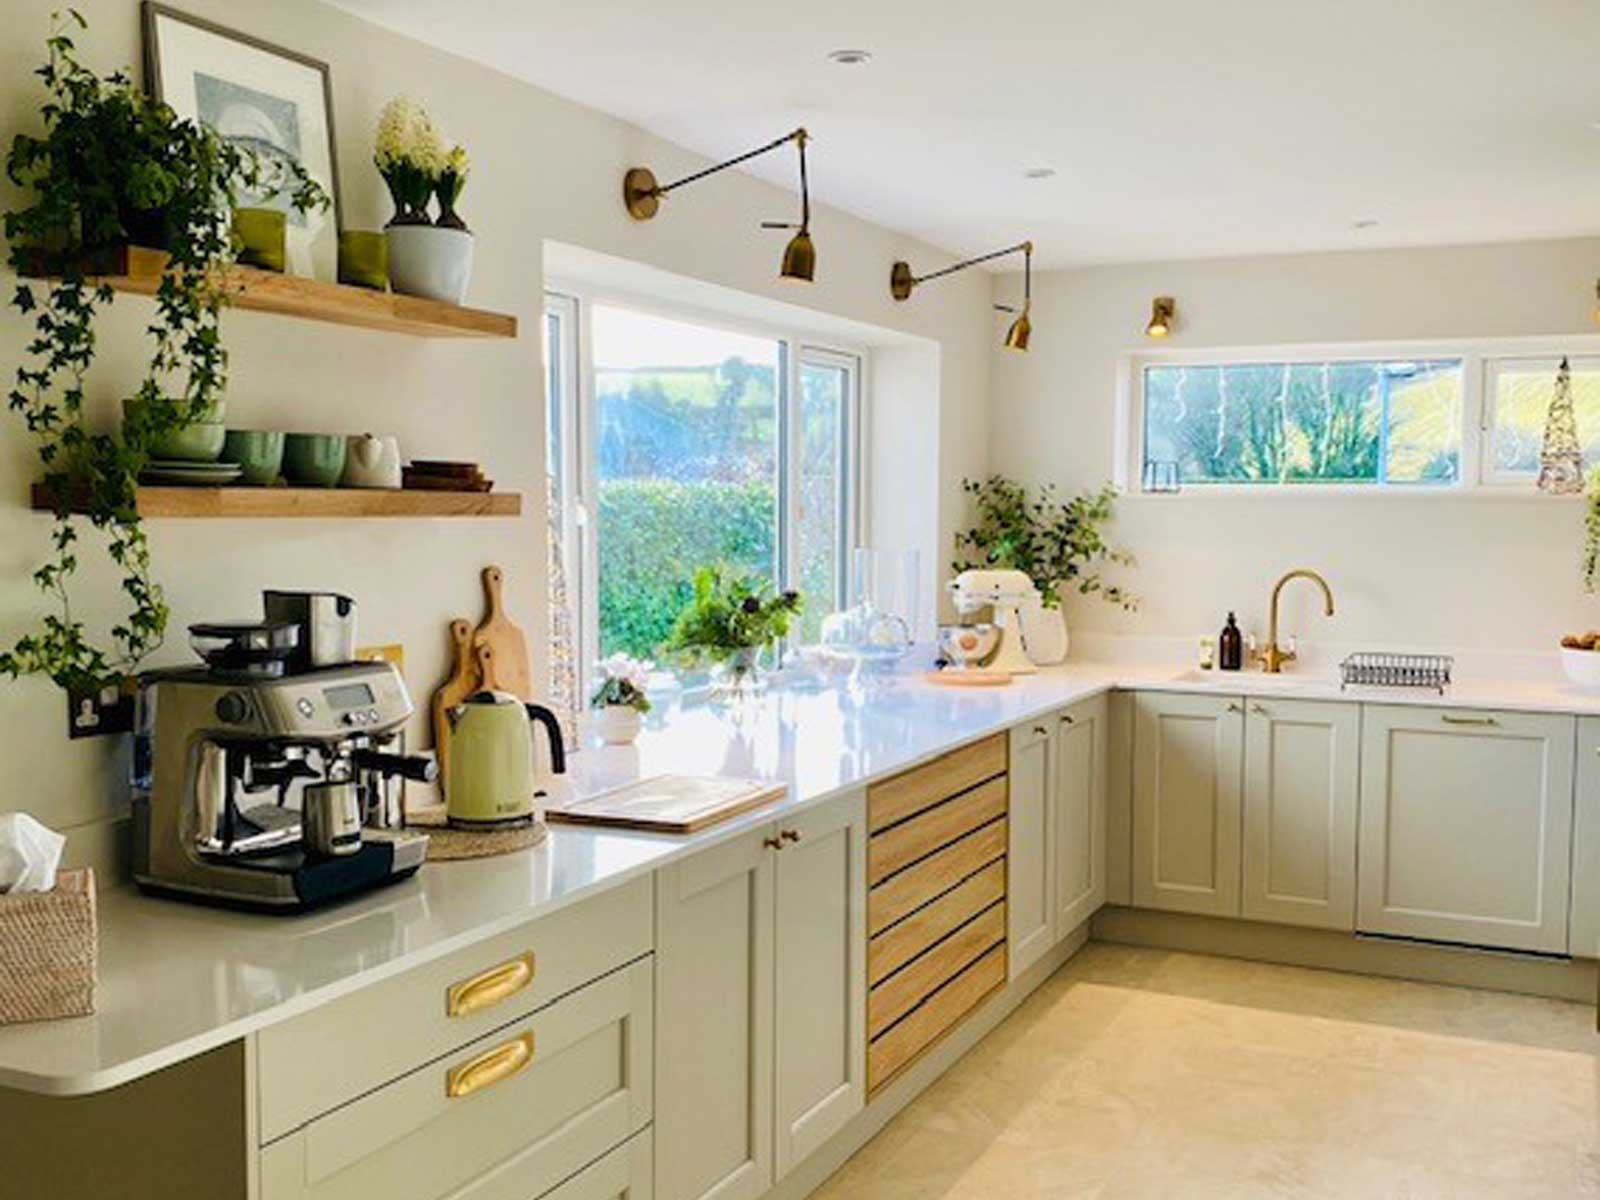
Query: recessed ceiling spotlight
{"x": 850, "y": 58}
{"x": 1364, "y": 223}
{"x": 1039, "y": 173}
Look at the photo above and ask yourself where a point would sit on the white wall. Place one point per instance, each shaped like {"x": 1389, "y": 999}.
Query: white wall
{"x": 1454, "y": 573}
{"x": 544, "y": 168}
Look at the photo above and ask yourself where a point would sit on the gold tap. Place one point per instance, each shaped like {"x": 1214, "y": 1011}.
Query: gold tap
{"x": 1272, "y": 656}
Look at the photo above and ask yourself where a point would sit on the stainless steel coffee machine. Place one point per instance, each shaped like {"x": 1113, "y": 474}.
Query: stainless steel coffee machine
{"x": 259, "y": 788}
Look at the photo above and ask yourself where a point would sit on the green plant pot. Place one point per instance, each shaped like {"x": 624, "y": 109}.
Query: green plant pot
{"x": 258, "y": 451}
{"x": 314, "y": 459}
{"x": 261, "y": 236}
{"x": 198, "y": 442}
{"x": 364, "y": 259}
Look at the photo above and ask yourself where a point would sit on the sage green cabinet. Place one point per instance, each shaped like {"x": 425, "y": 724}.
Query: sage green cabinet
{"x": 1583, "y": 939}
{"x": 1030, "y": 893}
{"x": 1186, "y": 802}
{"x": 1301, "y": 769}
{"x": 1466, "y": 826}
{"x": 1078, "y": 814}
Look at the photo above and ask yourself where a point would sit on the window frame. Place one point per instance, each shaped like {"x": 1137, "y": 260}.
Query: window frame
{"x": 1479, "y": 357}
{"x": 796, "y": 347}
{"x": 1491, "y": 475}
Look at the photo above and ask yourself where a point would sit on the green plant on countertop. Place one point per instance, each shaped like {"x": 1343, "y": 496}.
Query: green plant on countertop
{"x": 730, "y": 614}
{"x": 1054, "y": 542}
{"x": 1591, "y": 533}
{"x": 115, "y": 167}
{"x": 622, "y": 685}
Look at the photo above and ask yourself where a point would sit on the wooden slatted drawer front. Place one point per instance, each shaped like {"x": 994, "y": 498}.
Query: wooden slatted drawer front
{"x": 891, "y": 1053}
{"x": 922, "y": 787}
{"x": 919, "y": 979}
{"x": 908, "y": 891}
{"x": 933, "y": 829}
{"x": 899, "y": 944}
{"x": 346, "y": 1048}
{"x": 579, "y": 1086}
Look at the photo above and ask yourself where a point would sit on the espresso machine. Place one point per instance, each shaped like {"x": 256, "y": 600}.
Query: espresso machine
{"x": 259, "y": 787}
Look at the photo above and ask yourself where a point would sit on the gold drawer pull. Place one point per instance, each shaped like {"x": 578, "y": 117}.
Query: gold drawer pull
{"x": 1449, "y": 720}
{"x": 490, "y": 1067}
{"x": 490, "y": 987}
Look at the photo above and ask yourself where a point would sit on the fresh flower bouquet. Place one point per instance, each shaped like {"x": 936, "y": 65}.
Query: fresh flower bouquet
{"x": 449, "y": 186}
{"x": 729, "y": 621}
{"x": 622, "y": 684}
{"x": 410, "y": 155}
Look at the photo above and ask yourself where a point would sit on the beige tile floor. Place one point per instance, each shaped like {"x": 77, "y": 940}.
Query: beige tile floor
{"x": 1143, "y": 1073}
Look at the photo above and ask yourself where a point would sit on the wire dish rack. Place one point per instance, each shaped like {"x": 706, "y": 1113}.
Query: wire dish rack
{"x": 1397, "y": 670}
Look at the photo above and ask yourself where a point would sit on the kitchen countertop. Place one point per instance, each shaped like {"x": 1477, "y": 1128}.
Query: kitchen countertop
{"x": 177, "y": 980}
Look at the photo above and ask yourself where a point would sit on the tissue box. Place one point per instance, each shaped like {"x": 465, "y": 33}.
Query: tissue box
{"x": 48, "y": 946}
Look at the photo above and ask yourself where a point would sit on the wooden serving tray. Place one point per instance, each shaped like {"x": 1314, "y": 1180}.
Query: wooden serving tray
{"x": 668, "y": 803}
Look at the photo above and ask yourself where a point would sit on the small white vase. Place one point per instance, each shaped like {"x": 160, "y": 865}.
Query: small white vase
{"x": 427, "y": 261}
{"x": 617, "y": 724}
{"x": 1044, "y": 634}
{"x": 372, "y": 462}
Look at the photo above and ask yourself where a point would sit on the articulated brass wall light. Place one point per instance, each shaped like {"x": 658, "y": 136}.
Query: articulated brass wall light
{"x": 642, "y": 195}
{"x": 902, "y": 282}
{"x": 1163, "y": 312}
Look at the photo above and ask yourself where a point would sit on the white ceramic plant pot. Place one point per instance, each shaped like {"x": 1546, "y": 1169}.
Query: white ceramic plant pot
{"x": 425, "y": 260}
{"x": 617, "y": 724}
{"x": 1044, "y": 633}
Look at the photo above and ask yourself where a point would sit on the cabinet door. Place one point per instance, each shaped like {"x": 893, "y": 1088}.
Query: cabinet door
{"x": 1186, "y": 776}
{"x": 1302, "y": 764}
{"x": 1466, "y": 826}
{"x": 1029, "y": 891}
{"x": 1078, "y": 825}
{"x": 1584, "y": 938}
{"x": 820, "y": 953}
{"x": 714, "y": 934}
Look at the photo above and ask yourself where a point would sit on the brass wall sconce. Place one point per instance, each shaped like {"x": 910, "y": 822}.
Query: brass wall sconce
{"x": 642, "y": 195}
{"x": 902, "y": 283}
{"x": 1163, "y": 313}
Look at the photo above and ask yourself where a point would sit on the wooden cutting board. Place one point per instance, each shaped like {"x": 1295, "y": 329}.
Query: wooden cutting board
{"x": 461, "y": 683}
{"x": 668, "y": 803}
{"x": 504, "y": 638}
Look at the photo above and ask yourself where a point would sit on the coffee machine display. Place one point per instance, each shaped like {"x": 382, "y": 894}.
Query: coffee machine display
{"x": 261, "y": 787}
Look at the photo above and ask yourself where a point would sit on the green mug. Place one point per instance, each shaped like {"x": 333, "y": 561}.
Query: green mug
{"x": 314, "y": 459}
{"x": 364, "y": 259}
{"x": 258, "y": 451}
{"x": 261, "y": 236}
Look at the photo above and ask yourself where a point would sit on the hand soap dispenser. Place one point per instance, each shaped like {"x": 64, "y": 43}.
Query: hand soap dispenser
{"x": 1230, "y": 646}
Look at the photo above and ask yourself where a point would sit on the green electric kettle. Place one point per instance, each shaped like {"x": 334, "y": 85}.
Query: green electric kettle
{"x": 494, "y": 779}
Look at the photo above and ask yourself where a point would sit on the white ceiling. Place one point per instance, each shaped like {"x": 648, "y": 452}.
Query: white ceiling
{"x": 1177, "y": 129}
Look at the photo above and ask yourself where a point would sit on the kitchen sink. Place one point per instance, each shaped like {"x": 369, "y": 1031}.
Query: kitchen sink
{"x": 1252, "y": 681}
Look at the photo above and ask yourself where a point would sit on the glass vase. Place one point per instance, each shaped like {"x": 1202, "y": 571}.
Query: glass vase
{"x": 739, "y": 678}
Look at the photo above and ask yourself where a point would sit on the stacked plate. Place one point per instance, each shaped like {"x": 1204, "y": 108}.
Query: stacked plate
{"x": 194, "y": 474}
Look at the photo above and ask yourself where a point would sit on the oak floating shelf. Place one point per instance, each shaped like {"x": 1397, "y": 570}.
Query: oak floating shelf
{"x": 310, "y": 502}
{"x": 137, "y": 270}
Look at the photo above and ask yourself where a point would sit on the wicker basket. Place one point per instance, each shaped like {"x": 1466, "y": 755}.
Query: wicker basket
{"x": 48, "y": 945}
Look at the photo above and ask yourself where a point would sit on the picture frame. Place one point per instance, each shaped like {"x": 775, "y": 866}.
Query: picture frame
{"x": 273, "y": 99}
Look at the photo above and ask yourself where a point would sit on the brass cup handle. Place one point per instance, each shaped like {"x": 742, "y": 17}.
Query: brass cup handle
{"x": 1232, "y": 707}
{"x": 1066, "y": 719}
{"x": 772, "y": 843}
{"x": 490, "y": 1067}
{"x": 1261, "y": 710}
{"x": 1040, "y": 730}
{"x": 488, "y": 988}
{"x": 790, "y": 835}
{"x": 1450, "y": 720}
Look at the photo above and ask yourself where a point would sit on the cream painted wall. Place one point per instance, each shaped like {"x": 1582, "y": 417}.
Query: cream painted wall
{"x": 1453, "y": 573}
{"x": 543, "y": 168}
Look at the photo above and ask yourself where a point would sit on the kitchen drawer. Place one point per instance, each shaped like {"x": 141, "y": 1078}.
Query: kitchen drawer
{"x": 922, "y": 787}
{"x": 507, "y": 1117}
{"x": 934, "y": 1017}
{"x": 899, "y": 897}
{"x": 344, "y": 1049}
{"x": 900, "y": 943}
{"x": 919, "y": 979}
{"x": 934, "y": 828}
{"x": 624, "y": 1174}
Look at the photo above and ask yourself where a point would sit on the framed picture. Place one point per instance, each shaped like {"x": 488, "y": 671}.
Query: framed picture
{"x": 275, "y": 101}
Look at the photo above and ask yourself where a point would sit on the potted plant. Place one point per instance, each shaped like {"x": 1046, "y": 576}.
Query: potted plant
{"x": 427, "y": 259}
{"x": 112, "y": 166}
{"x": 728, "y": 622}
{"x": 1054, "y": 542}
{"x": 620, "y": 701}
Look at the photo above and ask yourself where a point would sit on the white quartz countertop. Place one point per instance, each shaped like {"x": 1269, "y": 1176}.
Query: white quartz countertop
{"x": 177, "y": 980}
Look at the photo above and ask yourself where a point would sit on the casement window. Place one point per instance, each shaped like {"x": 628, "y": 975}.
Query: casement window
{"x": 1439, "y": 419}
{"x": 682, "y": 441}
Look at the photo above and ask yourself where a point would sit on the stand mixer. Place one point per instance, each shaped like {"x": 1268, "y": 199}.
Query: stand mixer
{"x": 1005, "y": 592}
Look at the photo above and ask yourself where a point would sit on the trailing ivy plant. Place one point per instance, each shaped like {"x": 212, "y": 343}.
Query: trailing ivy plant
{"x": 115, "y": 167}
{"x": 1053, "y": 541}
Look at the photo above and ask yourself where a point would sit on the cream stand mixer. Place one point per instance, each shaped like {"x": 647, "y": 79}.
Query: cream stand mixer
{"x": 1005, "y": 592}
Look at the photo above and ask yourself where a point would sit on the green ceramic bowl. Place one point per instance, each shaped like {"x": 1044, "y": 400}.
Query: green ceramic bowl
{"x": 258, "y": 451}
{"x": 199, "y": 442}
{"x": 313, "y": 459}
